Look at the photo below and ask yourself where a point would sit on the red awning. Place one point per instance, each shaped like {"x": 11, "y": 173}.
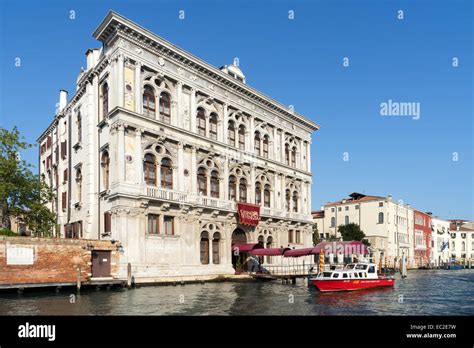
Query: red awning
{"x": 246, "y": 247}
{"x": 268, "y": 252}
{"x": 298, "y": 252}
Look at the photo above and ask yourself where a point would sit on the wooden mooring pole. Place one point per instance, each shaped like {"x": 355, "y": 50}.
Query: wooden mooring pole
{"x": 78, "y": 278}
{"x": 129, "y": 275}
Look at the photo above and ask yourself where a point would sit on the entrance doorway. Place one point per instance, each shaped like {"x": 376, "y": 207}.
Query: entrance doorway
{"x": 238, "y": 237}
{"x": 100, "y": 264}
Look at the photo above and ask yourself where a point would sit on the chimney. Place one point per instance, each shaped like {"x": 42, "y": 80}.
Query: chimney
{"x": 92, "y": 57}
{"x": 389, "y": 197}
{"x": 62, "y": 99}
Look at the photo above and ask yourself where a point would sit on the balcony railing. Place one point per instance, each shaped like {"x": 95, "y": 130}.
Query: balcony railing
{"x": 194, "y": 198}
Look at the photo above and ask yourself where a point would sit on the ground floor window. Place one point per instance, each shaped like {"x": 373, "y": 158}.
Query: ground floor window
{"x": 216, "y": 239}
{"x": 153, "y": 224}
{"x": 204, "y": 248}
{"x": 168, "y": 225}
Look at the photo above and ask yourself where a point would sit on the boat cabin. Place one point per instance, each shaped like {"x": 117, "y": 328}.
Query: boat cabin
{"x": 351, "y": 271}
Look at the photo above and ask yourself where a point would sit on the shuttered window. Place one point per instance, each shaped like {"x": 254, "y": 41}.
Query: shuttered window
{"x": 168, "y": 226}
{"x": 63, "y": 149}
{"x": 64, "y": 201}
{"x": 107, "y": 222}
{"x": 153, "y": 224}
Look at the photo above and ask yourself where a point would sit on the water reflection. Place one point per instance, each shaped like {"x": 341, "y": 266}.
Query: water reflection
{"x": 422, "y": 293}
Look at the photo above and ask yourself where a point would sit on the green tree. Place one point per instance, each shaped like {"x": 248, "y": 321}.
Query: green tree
{"x": 352, "y": 232}
{"x": 23, "y": 195}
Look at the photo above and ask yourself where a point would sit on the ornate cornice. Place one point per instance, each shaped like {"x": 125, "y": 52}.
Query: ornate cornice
{"x": 115, "y": 25}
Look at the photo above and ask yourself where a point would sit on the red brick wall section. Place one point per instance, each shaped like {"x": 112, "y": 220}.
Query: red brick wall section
{"x": 55, "y": 260}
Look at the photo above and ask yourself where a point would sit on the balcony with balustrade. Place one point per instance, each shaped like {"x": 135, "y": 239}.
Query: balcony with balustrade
{"x": 170, "y": 195}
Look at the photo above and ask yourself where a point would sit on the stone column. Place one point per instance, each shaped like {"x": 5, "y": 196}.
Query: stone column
{"x": 272, "y": 151}
{"x": 192, "y": 112}
{"x": 121, "y": 152}
{"x": 282, "y": 146}
{"x": 193, "y": 170}
{"x": 308, "y": 156}
{"x": 283, "y": 192}
{"x": 138, "y": 158}
{"x": 120, "y": 87}
{"x": 138, "y": 88}
{"x": 308, "y": 197}
{"x": 251, "y": 184}
{"x": 180, "y": 166}
{"x": 225, "y": 121}
{"x": 302, "y": 164}
{"x": 226, "y": 178}
{"x": 179, "y": 116}
{"x": 252, "y": 134}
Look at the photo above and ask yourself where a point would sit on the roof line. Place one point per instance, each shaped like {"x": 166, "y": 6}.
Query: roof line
{"x": 112, "y": 15}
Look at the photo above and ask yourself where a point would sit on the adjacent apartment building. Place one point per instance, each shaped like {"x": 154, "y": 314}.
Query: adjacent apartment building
{"x": 174, "y": 159}
{"x": 387, "y": 224}
{"x": 440, "y": 241}
{"x": 462, "y": 240}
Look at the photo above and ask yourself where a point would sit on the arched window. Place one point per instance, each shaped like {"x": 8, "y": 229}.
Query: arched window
{"x": 215, "y": 184}
{"x": 265, "y": 146}
{"x": 105, "y": 164}
{"x": 266, "y": 196}
{"x": 333, "y": 222}
{"x": 287, "y": 154}
{"x": 258, "y": 193}
{"x": 257, "y": 143}
{"x": 149, "y": 170}
{"x": 166, "y": 173}
{"x": 380, "y": 218}
{"x": 288, "y": 200}
{"x": 346, "y": 220}
{"x": 204, "y": 248}
{"x": 243, "y": 190}
{"x": 231, "y": 133}
{"x": 216, "y": 239}
{"x": 149, "y": 101}
{"x": 213, "y": 126}
{"x": 201, "y": 122}
{"x": 232, "y": 188}
{"x": 105, "y": 100}
{"x": 295, "y": 201}
{"x": 202, "y": 181}
{"x": 463, "y": 246}
{"x": 293, "y": 157}
{"x": 241, "y": 137}
{"x": 165, "y": 108}
{"x": 78, "y": 185}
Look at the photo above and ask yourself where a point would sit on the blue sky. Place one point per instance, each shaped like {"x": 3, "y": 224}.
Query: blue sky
{"x": 297, "y": 62}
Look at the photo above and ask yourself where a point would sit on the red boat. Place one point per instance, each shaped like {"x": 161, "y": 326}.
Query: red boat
{"x": 355, "y": 276}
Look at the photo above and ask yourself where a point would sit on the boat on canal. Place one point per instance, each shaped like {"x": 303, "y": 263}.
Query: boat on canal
{"x": 354, "y": 276}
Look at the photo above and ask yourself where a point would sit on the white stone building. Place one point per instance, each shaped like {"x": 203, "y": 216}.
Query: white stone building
{"x": 440, "y": 252}
{"x": 155, "y": 148}
{"x": 387, "y": 224}
{"x": 462, "y": 241}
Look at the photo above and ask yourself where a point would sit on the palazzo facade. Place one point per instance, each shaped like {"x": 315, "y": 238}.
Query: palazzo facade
{"x": 156, "y": 148}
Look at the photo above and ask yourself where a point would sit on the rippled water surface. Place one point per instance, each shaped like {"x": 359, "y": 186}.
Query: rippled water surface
{"x": 438, "y": 292}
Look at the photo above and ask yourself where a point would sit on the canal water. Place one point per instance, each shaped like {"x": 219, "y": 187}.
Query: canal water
{"x": 434, "y": 292}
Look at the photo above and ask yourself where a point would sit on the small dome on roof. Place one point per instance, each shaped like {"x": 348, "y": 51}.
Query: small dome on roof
{"x": 234, "y": 71}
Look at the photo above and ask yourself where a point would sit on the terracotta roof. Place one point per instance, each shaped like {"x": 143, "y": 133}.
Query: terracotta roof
{"x": 318, "y": 213}
{"x": 355, "y": 198}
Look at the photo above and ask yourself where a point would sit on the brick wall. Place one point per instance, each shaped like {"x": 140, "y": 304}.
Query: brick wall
{"x": 54, "y": 260}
